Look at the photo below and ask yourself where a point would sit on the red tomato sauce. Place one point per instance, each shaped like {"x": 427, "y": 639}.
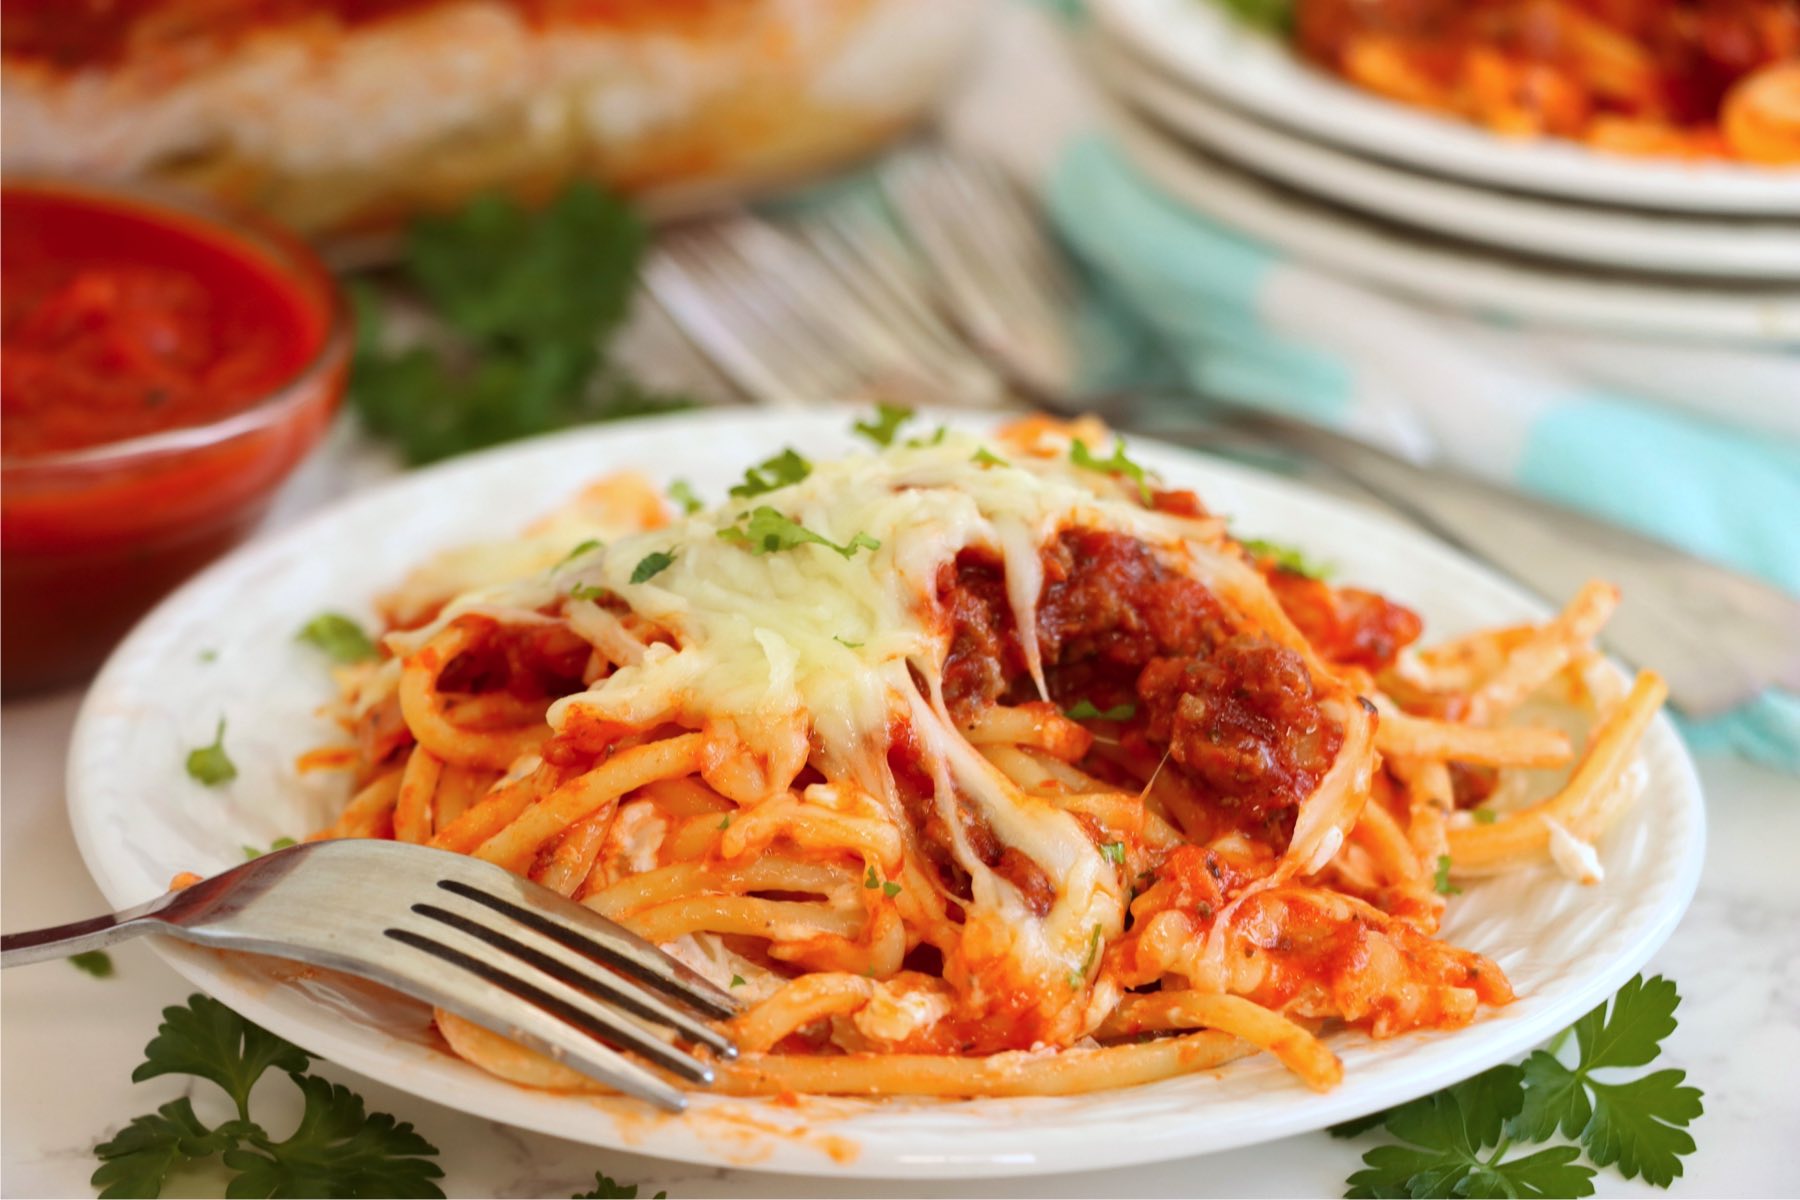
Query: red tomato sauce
{"x": 118, "y": 322}
{"x": 124, "y": 319}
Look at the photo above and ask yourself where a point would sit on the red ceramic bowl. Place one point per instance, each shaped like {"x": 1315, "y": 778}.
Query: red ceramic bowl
{"x": 91, "y": 535}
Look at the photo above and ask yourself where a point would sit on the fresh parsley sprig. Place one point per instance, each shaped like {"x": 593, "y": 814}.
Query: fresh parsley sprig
{"x": 765, "y": 531}
{"x": 339, "y": 637}
{"x": 525, "y": 300}
{"x": 777, "y": 472}
{"x": 1461, "y": 1141}
{"x": 338, "y": 1148}
{"x": 210, "y": 764}
{"x": 608, "y": 1188}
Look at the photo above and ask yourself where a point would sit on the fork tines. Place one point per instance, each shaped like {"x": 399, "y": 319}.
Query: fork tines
{"x": 562, "y": 980}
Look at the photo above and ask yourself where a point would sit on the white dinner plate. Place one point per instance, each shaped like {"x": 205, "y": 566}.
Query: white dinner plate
{"x": 223, "y": 646}
{"x": 1631, "y": 239}
{"x": 1473, "y": 279}
{"x": 1204, "y": 46}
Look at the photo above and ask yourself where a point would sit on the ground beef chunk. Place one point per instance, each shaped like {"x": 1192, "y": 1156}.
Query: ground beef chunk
{"x": 984, "y": 647}
{"x": 1108, "y": 597}
{"x": 1243, "y": 723}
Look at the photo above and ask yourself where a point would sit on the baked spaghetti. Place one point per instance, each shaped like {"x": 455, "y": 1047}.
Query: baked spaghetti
{"x": 980, "y": 766}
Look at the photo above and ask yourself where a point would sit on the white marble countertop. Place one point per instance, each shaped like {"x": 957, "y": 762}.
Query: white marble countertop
{"x": 68, "y": 1042}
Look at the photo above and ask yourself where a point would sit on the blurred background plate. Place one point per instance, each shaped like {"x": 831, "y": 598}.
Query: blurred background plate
{"x": 1205, "y": 47}
{"x": 1511, "y": 288}
{"x": 1723, "y": 247}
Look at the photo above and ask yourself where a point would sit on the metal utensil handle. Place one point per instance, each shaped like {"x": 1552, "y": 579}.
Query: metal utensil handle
{"x": 95, "y": 933}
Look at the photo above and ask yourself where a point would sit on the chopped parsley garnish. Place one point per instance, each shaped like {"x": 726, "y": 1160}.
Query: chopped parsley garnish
{"x": 1118, "y": 464}
{"x": 936, "y": 439}
{"x": 1485, "y": 816}
{"x": 1270, "y": 16}
{"x": 888, "y": 420}
{"x": 580, "y": 549}
{"x": 778, "y": 472}
{"x": 681, "y": 493}
{"x": 97, "y": 963}
{"x": 210, "y": 764}
{"x": 338, "y": 1148}
{"x": 890, "y": 889}
{"x": 587, "y": 591}
{"x": 725, "y": 821}
{"x": 525, "y": 300}
{"x": 339, "y": 637}
{"x": 847, "y": 644}
{"x": 766, "y": 531}
{"x": 871, "y": 881}
{"x": 1087, "y": 964}
{"x": 737, "y": 981}
{"x": 1286, "y": 558}
{"x": 1458, "y": 1141}
{"x": 651, "y": 565}
{"x": 1441, "y": 881}
{"x": 1113, "y": 852}
{"x": 207, "y": 656}
{"x": 280, "y": 843}
{"x": 988, "y": 458}
{"x": 1085, "y": 710}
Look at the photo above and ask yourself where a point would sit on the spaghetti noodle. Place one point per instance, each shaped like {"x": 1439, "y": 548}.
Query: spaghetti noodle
{"x": 979, "y": 767}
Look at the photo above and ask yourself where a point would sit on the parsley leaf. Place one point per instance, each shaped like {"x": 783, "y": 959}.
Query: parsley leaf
{"x": 339, "y": 637}
{"x": 988, "y": 458}
{"x": 737, "y": 981}
{"x": 888, "y": 420}
{"x": 778, "y": 472}
{"x": 97, "y": 963}
{"x": 528, "y": 298}
{"x": 579, "y": 549}
{"x": 1270, "y": 16}
{"x": 1113, "y": 852}
{"x": 936, "y": 439}
{"x": 1087, "y": 964}
{"x": 1118, "y": 464}
{"x": 280, "y": 843}
{"x": 766, "y": 531}
{"x": 338, "y": 1149}
{"x": 139, "y": 1159}
{"x": 871, "y": 881}
{"x": 1286, "y": 558}
{"x": 1441, "y": 880}
{"x": 1638, "y": 1124}
{"x": 651, "y": 565}
{"x": 1446, "y": 1138}
{"x": 1084, "y": 710}
{"x": 890, "y": 889}
{"x": 608, "y": 1188}
{"x": 209, "y": 1040}
{"x": 1485, "y": 816}
{"x": 683, "y": 494}
{"x": 848, "y": 645}
{"x": 210, "y": 764}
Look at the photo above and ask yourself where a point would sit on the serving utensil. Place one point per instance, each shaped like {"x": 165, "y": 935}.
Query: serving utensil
{"x": 977, "y": 252}
{"x": 453, "y": 931}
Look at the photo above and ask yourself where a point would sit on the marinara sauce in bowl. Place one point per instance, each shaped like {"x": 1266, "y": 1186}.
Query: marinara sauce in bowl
{"x": 163, "y": 367}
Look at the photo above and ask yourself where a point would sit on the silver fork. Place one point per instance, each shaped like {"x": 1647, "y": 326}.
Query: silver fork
{"x": 453, "y": 931}
{"x": 792, "y": 317}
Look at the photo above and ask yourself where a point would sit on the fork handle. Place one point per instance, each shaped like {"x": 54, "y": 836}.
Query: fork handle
{"x": 60, "y": 941}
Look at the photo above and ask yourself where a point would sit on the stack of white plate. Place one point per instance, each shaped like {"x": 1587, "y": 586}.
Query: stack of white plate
{"x": 1231, "y": 123}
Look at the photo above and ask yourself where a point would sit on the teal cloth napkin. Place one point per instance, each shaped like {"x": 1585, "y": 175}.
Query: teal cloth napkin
{"x": 1232, "y": 318}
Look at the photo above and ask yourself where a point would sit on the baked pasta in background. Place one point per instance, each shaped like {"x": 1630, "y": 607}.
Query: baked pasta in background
{"x": 347, "y": 116}
{"x": 1676, "y": 78}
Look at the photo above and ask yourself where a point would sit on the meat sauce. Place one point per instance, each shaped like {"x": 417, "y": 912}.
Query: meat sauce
{"x": 1237, "y": 713}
